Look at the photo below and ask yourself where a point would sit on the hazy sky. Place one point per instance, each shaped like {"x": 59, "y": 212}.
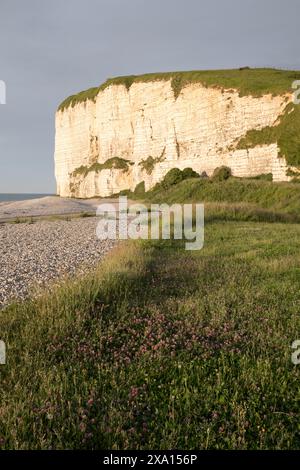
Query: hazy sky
{"x": 50, "y": 49}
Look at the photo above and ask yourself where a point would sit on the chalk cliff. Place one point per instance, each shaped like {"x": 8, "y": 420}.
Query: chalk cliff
{"x": 124, "y": 135}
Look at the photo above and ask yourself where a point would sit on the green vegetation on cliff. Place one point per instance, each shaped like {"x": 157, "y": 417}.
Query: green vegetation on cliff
{"x": 115, "y": 163}
{"x": 149, "y": 163}
{"x": 255, "y": 82}
{"x": 286, "y": 134}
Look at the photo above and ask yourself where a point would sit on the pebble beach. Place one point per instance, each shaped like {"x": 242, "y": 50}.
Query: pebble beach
{"x": 38, "y": 253}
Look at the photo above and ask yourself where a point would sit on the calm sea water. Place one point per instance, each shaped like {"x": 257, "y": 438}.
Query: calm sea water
{"x": 20, "y": 197}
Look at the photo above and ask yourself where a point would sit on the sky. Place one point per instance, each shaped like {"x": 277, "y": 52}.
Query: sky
{"x": 50, "y": 49}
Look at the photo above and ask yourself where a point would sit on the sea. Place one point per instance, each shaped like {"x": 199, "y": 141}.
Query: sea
{"x": 9, "y": 197}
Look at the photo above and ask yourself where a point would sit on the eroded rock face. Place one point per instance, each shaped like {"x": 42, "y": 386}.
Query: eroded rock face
{"x": 200, "y": 129}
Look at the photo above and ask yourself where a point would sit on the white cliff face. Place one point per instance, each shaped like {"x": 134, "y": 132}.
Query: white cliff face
{"x": 200, "y": 129}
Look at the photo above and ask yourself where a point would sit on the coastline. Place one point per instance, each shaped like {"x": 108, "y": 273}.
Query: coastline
{"x": 46, "y": 240}
{"x": 41, "y": 254}
{"x": 45, "y": 206}
{"x": 13, "y": 197}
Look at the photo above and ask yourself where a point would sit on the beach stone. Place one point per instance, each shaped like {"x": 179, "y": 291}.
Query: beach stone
{"x": 40, "y": 253}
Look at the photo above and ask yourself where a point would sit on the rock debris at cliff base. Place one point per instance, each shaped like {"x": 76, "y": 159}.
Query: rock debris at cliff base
{"x": 39, "y": 254}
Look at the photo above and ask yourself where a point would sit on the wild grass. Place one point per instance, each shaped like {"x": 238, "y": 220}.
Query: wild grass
{"x": 222, "y": 211}
{"x": 162, "y": 348}
{"x": 252, "y": 199}
{"x": 255, "y": 82}
{"x": 48, "y": 218}
{"x": 276, "y": 197}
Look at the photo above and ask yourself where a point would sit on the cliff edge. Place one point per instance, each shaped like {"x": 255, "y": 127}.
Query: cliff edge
{"x": 134, "y": 129}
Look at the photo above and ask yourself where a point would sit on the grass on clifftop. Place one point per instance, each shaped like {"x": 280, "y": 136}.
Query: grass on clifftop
{"x": 162, "y": 349}
{"x": 255, "y": 82}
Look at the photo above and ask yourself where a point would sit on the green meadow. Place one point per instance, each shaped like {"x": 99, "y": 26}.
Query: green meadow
{"x": 163, "y": 348}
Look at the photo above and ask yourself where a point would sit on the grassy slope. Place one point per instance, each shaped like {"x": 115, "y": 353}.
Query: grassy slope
{"x": 194, "y": 352}
{"x": 243, "y": 193}
{"x": 163, "y": 348}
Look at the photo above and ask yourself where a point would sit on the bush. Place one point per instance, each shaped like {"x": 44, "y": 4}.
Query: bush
{"x": 189, "y": 173}
{"x": 173, "y": 176}
{"x": 221, "y": 173}
{"x": 140, "y": 189}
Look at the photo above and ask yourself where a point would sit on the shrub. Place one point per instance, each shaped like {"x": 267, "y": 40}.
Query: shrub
{"x": 221, "y": 173}
{"x": 173, "y": 176}
{"x": 189, "y": 173}
{"x": 140, "y": 189}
